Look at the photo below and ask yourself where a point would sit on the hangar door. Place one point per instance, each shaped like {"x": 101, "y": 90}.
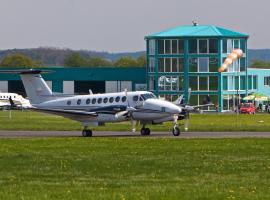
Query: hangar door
{"x": 83, "y": 87}
{"x": 16, "y": 87}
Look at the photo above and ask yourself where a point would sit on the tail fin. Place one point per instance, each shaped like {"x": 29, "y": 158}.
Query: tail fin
{"x": 36, "y": 88}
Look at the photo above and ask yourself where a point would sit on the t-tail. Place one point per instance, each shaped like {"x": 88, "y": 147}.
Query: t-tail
{"x": 36, "y": 88}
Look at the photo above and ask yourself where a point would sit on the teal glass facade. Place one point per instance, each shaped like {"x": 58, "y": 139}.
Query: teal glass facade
{"x": 188, "y": 57}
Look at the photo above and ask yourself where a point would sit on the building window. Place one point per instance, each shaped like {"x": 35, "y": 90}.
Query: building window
{"x": 213, "y": 64}
{"x": 174, "y": 46}
{"x": 167, "y": 65}
{"x": 203, "y": 64}
{"x": 225, "y": 82}
{"x": 167, "y": 46}
{"x": 181, "y": 64}
{"x": 161, "y": 65}
{"x": 181, "y": 83}
{"x": 193, "y": 65}
{"x": 160, "y": 46}
{"x": 203, "y": 83}
{"x": 255, "y": 84}
{"x": 224, "y": 46}
{"x": 180, "y": 46}
{"x": 203, "y": 46}
{"x": 168, "y": 83}
{"x": 213, "y": 46}
{"x": 250, "y": 82}
{"x": 242, "y": 82}
{"x": 174, "y": 65}
{"x": 192, "y": 46}
{"x": 151, "y": 64}
{"x": 243, "y": 45}
{"x": 151, "y": 83}
{"x": 229, "y": 45}
{"x": 236, "y": 44}
{"x": 213, "y": 83}
{"x": 151, "y": 47}
{"x": 170, "y": 64}
{"x": 266, "y": 80}
{"x": 242, "y": 64}
{"x": 193, "y": 83}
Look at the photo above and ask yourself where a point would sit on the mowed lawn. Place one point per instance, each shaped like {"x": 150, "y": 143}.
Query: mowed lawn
{"x": 198, "y": 122}
{"x": 134, "y": 168}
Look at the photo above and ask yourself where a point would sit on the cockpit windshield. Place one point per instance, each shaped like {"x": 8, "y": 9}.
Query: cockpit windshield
{"x": 148, "y": 96}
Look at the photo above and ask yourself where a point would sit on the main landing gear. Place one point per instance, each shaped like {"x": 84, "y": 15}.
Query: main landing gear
{"x": 145, "y": 131}
{"x": 86, "y": 132}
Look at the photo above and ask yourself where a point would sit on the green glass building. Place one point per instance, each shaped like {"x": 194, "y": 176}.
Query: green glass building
{"x": 189, "y": 57}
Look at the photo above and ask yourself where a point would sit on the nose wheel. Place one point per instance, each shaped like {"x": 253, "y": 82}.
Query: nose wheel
{"x": 86, "y": 133}
{"x": 176, "y": 129}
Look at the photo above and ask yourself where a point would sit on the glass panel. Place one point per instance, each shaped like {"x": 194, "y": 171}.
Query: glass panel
{"x": 203, "y": 83}
{"x": 203, "y": 46}
{"x": 167, "y": 65}
{"x": 203, "y": 99}
{"x": 214, "y": 99}
{"x": 229, "y": 46}
{"x": 213, "y": 46}
{"x": 181, "y": 64}
{"x": 236, "y": 81}
{"x": 174, "y": 82}
{"x": 254, "y": 82}
{"x": 161, "y": 64}
{"x": 193, "y": 65}
{"x": 174, "y": 65}
{"x": 151, "y": 64}
{"x": 242, "y": 82}
{"x": 213, "y": 83}
{"x": 174, "y": 46}
{"x": 151, "y": 47}
{"x": 213, "y": 64}
{"x": 203, "y": 64}
{"x": 242, "y": 64}
{"x": 236, "y": 66}
{"x": 151, "y": 84}
{"x": 225, "y": 82}
{"x": 230, "y": 83}
{"x": 243, "y": 45}
{"x": 167, "y": 46}
{"x": 193, "y": 83}
{"x": 181, "y": 83}
{"x": 250, "y": 82}
{"x": 160, "y": 46}
{"x": 225, "y": 102}
{"x": 193, "y": 100}
{"x": 236, "y": 44}
{"x": 224, "y": 46}
{"x": 192, "y": 46}
{"x": 180, "y": 46}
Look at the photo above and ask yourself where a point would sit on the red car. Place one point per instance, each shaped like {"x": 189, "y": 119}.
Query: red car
{"x": 248, "y": 108}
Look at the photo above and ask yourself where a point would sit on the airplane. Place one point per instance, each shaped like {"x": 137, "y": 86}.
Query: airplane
{"x": 95, "y": 109}
{"x": 17, "y": 99}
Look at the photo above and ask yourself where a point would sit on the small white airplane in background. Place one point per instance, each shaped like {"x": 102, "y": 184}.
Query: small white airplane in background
{"x": 17, "y": 100}
{"x": 93, "y": 109}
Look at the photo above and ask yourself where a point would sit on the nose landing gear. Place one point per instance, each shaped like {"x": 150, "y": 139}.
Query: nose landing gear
{"x": 176, "y": 129}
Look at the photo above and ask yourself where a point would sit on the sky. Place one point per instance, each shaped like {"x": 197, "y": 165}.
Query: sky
{"x": 120, "y": 25}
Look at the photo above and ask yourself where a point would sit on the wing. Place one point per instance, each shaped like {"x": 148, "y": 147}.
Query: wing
{"x": 76, "y": 115}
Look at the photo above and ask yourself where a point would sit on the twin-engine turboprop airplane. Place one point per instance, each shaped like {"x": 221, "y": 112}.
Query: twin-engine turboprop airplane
{"x": 93, "y": 109}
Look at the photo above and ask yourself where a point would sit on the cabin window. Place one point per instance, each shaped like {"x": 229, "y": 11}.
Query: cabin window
{"x": 68, "y": 102}
{"x": 117, "y": 99}
{"x": 79, "y": 101}
{"x": 105, "y": 100}
{"x": 111, "y": 99}
{"x": 14, "y": 97}
{"x": 99, "y": 100}
{"x": 135, "y": 98}
{"x": 124, "y": 98}
{"x": 88, "y": 101}
{"x": 94, "y": 101}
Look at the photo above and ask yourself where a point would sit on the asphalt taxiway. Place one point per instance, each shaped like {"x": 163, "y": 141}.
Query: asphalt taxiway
{"x": 25, "y": 134}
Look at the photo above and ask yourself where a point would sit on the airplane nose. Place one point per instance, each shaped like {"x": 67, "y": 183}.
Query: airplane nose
{"x": 175, "y": 109}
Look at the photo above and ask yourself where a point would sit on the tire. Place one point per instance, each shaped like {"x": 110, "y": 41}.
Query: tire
{"x": 176, "y": 131}
{"x": 86, "y": 133}
{"x": 147, "y": 131}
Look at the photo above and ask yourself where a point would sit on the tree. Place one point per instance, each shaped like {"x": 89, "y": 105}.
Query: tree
{"x": 98, "y": 62}
{"x": 260, "y": 64}
{"x": 19, "y": 60}
{"x": 126, "y": 62}
{"x": 141, "y": 61}
{"x": 75, "y": 60}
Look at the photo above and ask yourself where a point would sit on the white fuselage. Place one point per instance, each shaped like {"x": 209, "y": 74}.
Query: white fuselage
{"x": 18, "y": 99}
{"x": 148, "y": 107}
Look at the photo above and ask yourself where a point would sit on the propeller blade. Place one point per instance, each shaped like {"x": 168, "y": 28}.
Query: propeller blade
{"x": 186, "y": 123}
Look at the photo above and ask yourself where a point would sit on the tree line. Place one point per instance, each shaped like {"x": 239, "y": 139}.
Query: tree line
{"x": 73, "y": 60}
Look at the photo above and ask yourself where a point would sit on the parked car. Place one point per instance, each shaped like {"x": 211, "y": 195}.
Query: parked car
{"x": 248, "y": 108}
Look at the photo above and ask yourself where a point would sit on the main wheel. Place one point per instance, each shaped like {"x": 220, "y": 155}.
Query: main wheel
{"x": 147, "y": 131}
{"x": 86, "y": 133}
{"x": 176, "y": 131}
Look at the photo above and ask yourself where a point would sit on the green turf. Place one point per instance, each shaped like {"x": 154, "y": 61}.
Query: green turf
{"x": 134, "y": 168}
{"x": 205, "y": 122}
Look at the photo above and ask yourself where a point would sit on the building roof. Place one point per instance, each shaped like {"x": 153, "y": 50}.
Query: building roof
{"x": 197, "y": 31}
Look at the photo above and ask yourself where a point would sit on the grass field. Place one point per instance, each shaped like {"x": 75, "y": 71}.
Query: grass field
{"x": 198, "y": 122}
{"x": 134, "y": 168}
